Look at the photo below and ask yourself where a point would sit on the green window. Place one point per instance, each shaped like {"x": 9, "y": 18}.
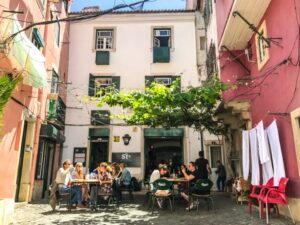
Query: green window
{"x": 100, "y": 117}
{"x": 166, "y": 80}
{"x": 102, "y": 82}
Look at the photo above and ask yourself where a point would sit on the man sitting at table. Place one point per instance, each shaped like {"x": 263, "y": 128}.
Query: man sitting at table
{"x": 192, "y": 178}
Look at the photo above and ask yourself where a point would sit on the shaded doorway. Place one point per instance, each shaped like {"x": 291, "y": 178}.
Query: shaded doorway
{"x": 166, "y": 150}
{"x": 21, "y": 160}
{"x": 98, "y": 152}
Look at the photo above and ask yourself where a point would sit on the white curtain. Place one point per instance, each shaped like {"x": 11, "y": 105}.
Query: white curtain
{"x": 254, "y": 158}
{"x": 264, "y": 153}
{"x": 279, "y": 171}
{"x": 246, "y": 155}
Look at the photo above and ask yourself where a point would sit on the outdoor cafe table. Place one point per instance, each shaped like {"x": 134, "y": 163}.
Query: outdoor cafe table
{"x": 80, "y": 182}
{"x": 180, "y": 180}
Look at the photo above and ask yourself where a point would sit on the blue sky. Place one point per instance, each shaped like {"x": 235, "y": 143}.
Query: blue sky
{"x": 77, "y": 5}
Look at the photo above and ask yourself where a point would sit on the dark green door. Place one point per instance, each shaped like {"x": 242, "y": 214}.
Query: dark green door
{"x": 99, "y": 152}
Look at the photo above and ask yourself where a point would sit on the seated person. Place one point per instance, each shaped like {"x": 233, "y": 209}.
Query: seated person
{"x": 192, "y": 178}
{"x": 105, "y": 181}
{"x": 157, "y": 174}
{"x": 79, "y": 191}
{"x": 115, "y": 170}
{"x": 125, "y": 177}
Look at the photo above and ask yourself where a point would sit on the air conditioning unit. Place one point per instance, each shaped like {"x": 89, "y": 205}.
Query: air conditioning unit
{"x": 163, "y": 80}
{"x": 162, "y": 33}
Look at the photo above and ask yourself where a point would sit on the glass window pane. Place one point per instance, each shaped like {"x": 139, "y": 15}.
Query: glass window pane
{"x": 215, "y": 154}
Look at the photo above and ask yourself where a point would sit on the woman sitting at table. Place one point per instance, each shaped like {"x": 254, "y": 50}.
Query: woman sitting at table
{"x": 105, "y": 181}
{"x": 192, "y": 178}
{"x": 78, "y": 190}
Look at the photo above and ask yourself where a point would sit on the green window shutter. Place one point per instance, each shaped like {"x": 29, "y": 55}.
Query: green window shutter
{"x": 161, "y": 54}
{"x": 116, "y": 82}
{"x": 148, "y": 80}
{"x": 91, "y": 90}
{"x": 38, "y": 37}
{"x": 102, "y": 58}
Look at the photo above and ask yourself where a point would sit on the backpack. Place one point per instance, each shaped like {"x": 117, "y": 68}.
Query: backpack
{"x": 136, "y": 186}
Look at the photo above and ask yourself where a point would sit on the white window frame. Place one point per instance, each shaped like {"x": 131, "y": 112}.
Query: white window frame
{"x": 102, "y": 82}
{"x": 171, "y": 40}
{"x": 107, "y": 40}
{"x": 158, "y": 32}
{"x": 167, "y": 81}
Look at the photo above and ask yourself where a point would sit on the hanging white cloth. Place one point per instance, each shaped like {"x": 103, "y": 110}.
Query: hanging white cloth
{"x": 246, "y": 158}
{"x": 254, "y": 158}
{"x": 264, "y": 153}
{"x": 262, "y": 143}
{"x": 279, "y": 171}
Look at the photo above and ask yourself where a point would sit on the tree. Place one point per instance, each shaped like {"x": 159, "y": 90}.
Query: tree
{"x": 161, "y": 106}
{"x": 7, "y": 86}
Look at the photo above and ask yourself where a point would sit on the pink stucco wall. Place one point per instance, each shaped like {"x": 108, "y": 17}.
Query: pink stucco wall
{"x": 13, "y": 119}
{"x": 223, "y": 8}
{"x": 275, "y": 92}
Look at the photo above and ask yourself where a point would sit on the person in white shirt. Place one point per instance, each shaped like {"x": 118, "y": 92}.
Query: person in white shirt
{"x": 158, "y": 173}
{"x": 63, "y": 176}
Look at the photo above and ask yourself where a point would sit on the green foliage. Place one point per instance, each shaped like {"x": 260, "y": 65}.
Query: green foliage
{"x": 7, "y": 86}
{"x": 169, "y": 107}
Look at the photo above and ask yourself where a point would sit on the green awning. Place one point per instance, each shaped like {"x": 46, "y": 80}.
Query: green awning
{"x": 50, "y": 132}
{"x": 161, "y": 132}
{"x": 38, "y": 37}
{"x": 99, "y": 132}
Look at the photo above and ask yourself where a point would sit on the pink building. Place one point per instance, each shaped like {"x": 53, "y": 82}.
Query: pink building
{"x": 256, "y": 46}
{"x": 32, "y": 134}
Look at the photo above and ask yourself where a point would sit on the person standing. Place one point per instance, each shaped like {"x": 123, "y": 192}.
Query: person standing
{"x": 202, "y": 166}
{"x": 221, "y": 176}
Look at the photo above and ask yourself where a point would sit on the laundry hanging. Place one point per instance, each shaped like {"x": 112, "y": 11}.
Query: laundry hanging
{"x": 264, "y": 153}
{"x": 279, "y": 171}
{"x": 254, "y": 158}
{"x": 246, "y": 158}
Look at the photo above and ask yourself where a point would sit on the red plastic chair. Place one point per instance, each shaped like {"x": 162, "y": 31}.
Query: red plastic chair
{"x": 255, "y": 195}
{"x": 276, "y": 196}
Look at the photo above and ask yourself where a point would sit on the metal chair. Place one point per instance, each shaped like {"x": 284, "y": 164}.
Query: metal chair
{"x": 163, "y": 189}
{"x": 201, "y": 190}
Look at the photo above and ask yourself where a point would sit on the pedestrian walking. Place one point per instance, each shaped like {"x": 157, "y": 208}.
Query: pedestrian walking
{"x": 221, "y": 176}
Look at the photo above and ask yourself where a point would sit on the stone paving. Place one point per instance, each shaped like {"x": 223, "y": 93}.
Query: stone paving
{"x": 227, "y": 212}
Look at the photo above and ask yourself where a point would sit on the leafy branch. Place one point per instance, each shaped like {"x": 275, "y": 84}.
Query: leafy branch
{"x": 161, "y": 106}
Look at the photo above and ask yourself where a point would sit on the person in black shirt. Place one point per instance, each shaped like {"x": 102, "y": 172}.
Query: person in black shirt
{"x": 203, "y": 166}
{"x": 192, "y": 177}
{"x": 221, "y": 176}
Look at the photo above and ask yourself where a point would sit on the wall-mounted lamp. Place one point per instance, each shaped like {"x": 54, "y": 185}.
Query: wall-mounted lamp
{"x": 126, "y": 139}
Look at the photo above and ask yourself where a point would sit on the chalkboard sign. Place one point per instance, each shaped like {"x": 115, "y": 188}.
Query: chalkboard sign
{"x": 79, "y": 155}
{"x": 130, "y": 159}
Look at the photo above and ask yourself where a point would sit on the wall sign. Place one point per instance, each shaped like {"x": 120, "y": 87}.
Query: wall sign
{"x": 79, "y": 155}
{"x": 129, "y": 158}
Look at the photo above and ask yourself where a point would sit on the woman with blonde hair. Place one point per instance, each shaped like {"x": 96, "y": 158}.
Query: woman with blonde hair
{"x": 77, "y": 174}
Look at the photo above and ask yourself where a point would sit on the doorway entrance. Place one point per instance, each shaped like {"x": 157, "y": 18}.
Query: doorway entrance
{"x": 21, "y": 159}
{"x": 98, "y": 151}
{"x": 50, "y": 155}
{"x": 215, "y": 153}
{"x": 166, "y": 150}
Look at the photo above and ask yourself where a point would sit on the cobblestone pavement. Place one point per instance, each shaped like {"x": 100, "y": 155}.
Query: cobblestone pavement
{"x": 227, "y": 212}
